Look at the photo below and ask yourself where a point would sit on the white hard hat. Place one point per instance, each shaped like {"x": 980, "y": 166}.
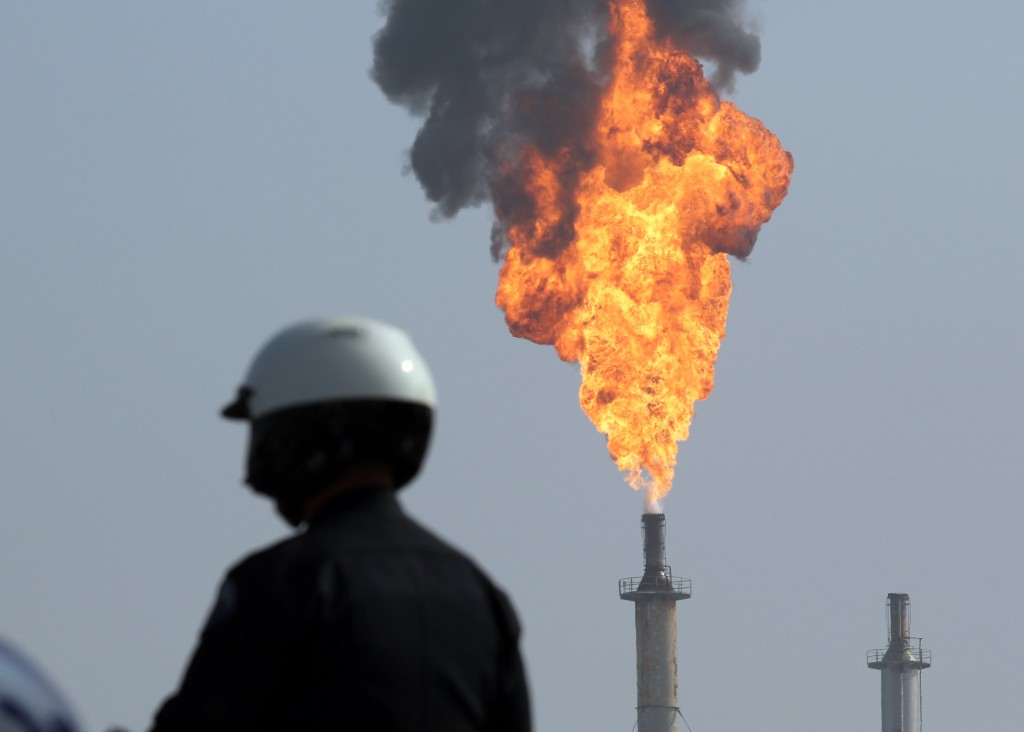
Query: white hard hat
{"x": 328, "y": 360}
{"x": 28, "y": 701}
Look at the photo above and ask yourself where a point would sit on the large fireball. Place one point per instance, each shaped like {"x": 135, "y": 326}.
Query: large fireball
{"x": 674, "y": 180}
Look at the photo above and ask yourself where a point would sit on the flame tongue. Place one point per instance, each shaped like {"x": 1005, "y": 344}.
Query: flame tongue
{"x": 622, "y": 265}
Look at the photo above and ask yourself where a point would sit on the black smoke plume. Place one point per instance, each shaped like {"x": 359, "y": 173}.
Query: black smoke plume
{"x": 489, "y": 76}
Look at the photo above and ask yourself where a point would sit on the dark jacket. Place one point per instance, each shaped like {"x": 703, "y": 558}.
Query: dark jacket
{"x": 365, "y": 621}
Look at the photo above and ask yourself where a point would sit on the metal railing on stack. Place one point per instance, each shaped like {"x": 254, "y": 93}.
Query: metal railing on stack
{"x": 919, "y": 654}
{"x": 661, "y": 585}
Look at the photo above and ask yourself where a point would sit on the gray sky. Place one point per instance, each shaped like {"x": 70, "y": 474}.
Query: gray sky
{"x": 178, "y": 180}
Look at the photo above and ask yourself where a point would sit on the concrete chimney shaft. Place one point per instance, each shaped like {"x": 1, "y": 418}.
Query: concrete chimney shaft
{"x": 901, "y": 664}
{"x": 654, "y": 596}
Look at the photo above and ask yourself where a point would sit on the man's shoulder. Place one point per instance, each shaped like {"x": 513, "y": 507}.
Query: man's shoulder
{"x": 396, "y": 533}
{"x": 262, "y": 565}
{"x": 350, "y": 543}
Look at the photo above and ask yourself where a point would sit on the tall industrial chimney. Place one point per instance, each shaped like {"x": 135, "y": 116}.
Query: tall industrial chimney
{"x": 901, "y": 665}
{"x": 654, "y": 596}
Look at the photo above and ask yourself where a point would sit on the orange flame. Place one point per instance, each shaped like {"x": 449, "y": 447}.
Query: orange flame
{"x": 638, "y": 295}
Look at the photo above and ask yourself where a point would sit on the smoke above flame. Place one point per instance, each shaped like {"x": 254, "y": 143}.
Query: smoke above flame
{"x": 620, "y": 182}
